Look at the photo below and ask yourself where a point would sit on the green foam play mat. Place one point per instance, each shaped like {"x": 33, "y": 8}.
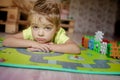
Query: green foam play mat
{"x": 88, "y": 61}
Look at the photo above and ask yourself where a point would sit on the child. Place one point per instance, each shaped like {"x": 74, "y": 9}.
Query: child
{"x": 44, "y": 33}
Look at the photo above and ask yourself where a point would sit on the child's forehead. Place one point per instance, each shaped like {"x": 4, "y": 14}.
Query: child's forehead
{"x": 40, "y": 19}
{"x": 37, "y": 17}
{"x": 42, "y": 25}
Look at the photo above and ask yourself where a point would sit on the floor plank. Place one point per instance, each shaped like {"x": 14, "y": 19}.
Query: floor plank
{"x": 31, "y": 74}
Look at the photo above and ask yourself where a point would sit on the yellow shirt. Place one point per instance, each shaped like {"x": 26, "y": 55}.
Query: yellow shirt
{"x": 60, "y": 37}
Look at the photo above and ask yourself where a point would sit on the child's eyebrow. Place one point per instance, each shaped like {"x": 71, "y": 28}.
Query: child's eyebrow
{"x": 33, "y": 23}
{"x": 48, "y": 24}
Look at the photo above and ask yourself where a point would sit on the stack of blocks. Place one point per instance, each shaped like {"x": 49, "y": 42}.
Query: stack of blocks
{"x": 114, "y": 49}
{"x": 100, "y": 45}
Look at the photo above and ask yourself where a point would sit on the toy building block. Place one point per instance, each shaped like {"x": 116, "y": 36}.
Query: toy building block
{"x": 91, "y": 44}
{"x": 82, "y": 40}
{"x": 118, "y": 43}
{"x": 105, "y": 40}
{"x": 114, "y": 50}
{"x": 89, "y": 37}
{"x": 86, "y": 42}
{"x": 99, "y": 36}
{"x": 103, "y": 48}
{"x": 109, "y": 49}
{"x": 97, "y": 46}
{"x": 114, "y": 43}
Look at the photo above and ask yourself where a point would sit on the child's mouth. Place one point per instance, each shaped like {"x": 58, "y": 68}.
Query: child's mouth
{"x": 40, "y": 39}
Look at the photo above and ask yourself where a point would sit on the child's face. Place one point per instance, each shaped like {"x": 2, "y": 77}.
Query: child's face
{"x": 43, "y": 31}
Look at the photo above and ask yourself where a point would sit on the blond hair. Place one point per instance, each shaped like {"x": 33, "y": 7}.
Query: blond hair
{"x": 50, "y": 9}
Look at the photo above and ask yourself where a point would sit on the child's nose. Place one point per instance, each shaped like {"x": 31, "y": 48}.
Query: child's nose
{"x": 41, "y": 33}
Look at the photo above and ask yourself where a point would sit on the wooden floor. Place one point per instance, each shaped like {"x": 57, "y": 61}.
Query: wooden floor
{"x": 30, "y": 74}
{"x": 7, "y": 73}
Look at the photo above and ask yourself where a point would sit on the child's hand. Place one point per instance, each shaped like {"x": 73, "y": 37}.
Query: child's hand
{"x": 39, "y": 47}
{"x": 34, "y": 49}
{"x": 38, "y": 50}
{"x": 50, "y": 43}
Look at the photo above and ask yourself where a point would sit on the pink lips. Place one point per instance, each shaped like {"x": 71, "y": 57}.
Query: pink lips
{"x": 40, "y": 39}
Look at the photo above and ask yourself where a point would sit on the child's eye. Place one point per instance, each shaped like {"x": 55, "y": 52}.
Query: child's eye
{"x": 48, "y": 28}
{"x": 35, "y": 27}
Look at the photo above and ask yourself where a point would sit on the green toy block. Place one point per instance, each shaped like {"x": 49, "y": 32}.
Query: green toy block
{"x": 118, "y": 43}
{"x": 89, "y": 37}
{"x": 109, "y": 49}
{"x": 97, "y": 45}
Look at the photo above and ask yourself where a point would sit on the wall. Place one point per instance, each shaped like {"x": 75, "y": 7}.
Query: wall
{"x": 117, "y": 25}
{"x": 118, "y": 11}
{"x": 94, "y": 15}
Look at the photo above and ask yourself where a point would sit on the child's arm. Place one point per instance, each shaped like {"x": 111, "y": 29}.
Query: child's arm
{"x": 18, "y": 41}
{"x": 68, "y": 47}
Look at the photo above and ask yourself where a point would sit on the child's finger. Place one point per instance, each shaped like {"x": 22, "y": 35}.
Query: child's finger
{"x": 44, "y": 48}
{"x": 33, "y": 49}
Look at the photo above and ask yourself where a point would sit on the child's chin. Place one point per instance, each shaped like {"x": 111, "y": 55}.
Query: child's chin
{"x": 42, "y": 42}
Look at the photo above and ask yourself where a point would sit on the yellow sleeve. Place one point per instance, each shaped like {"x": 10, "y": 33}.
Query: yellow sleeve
{"x": 27, "y": 34}
{"x": 61, "y": 37}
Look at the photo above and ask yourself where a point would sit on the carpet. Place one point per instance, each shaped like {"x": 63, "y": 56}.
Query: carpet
{"x": 88, "y": 62}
